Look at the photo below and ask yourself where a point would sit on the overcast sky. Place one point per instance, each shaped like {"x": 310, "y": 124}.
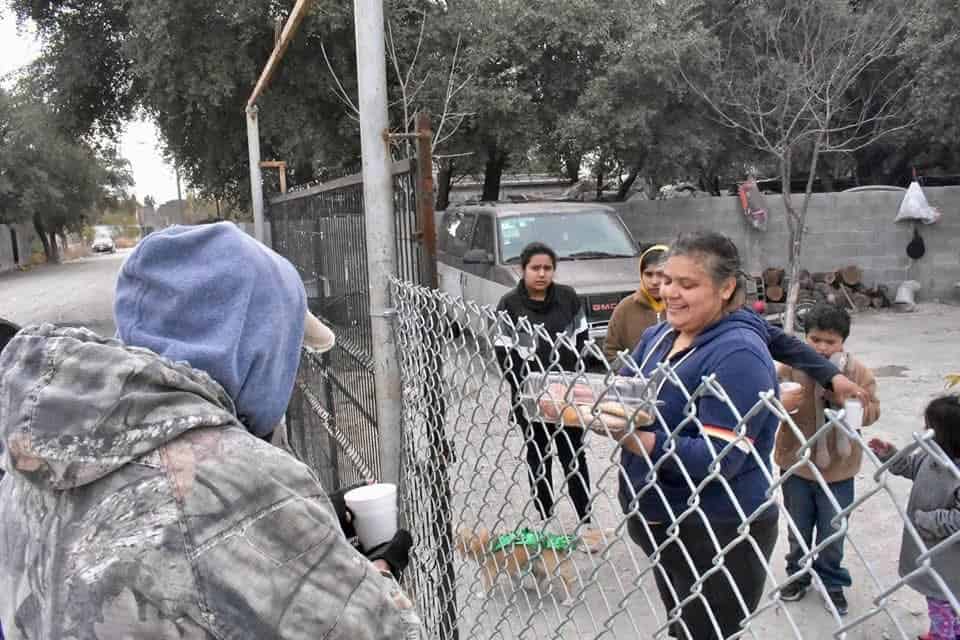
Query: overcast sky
{"x": 140, "y": 141}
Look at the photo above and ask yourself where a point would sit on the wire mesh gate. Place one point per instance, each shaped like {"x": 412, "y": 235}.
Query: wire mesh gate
{"x": 463, "y": 415}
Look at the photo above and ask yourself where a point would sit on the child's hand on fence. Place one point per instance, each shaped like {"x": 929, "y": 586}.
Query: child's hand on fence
{"x": 882, "y": 449}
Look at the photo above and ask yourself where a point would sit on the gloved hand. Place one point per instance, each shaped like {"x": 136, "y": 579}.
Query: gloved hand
{"x": 344, "y": 515}
{"x": 395, "y": 553}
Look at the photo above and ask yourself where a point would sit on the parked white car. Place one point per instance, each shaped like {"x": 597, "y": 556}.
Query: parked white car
{"x": 103, "y": 244}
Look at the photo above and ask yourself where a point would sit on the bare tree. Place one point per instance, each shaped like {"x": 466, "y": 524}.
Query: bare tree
{"x": 417, "y": 93}
{"x": 801, "y": 79}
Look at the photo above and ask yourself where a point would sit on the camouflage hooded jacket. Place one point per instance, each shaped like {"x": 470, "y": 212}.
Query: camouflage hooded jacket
{"x": 135, "y": 505}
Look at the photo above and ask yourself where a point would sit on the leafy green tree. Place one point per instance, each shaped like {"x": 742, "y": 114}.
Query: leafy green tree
{"x": 50, "y": 179}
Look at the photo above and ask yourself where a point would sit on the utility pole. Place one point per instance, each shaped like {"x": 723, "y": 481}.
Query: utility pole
{"x": 256, "y": 178}
{"x": 379, "y": 223}
{"x": 176, "y": 170}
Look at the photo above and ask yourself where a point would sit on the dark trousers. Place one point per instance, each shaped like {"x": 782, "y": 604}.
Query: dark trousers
{"x": 569, "y": 446}
{"x": 811, "y": 510}
{"x": 675, "y": 575}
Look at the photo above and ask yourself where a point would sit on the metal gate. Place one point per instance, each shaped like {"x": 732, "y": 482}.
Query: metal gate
{"x": 332, "y": 418}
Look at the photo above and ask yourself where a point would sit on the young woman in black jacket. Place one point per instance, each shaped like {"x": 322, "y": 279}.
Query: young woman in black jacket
{"x": 558, "y": 308}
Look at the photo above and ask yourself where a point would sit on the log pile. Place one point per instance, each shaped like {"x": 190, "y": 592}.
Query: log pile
{"x": 843, "y": 287}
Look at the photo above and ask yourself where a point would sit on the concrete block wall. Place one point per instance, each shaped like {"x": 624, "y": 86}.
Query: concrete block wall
{"x": 25, "y": 237}
{"x": 842, "y": 229}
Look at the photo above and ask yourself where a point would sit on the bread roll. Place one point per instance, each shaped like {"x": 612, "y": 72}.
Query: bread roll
{"x": 580, "y": 416}
{"x": 640, "y": 418}
{"x": 572, "y": 416}
{"x": 613, "y": 408}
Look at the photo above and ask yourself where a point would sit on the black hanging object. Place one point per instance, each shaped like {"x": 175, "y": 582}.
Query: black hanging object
{"x": 916, "y": 249}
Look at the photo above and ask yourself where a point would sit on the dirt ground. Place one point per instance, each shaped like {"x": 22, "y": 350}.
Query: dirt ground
{"x": 909, "y": 353}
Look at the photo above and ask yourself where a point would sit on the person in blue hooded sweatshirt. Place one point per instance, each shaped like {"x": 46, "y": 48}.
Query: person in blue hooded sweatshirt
{"x": 695, "y": 503}
{"x": 141, "y": 499}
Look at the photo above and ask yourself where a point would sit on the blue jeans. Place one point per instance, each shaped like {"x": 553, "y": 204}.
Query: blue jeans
{"x": 810, "y": 509}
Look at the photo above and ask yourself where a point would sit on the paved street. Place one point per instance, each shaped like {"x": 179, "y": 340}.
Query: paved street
{"x": 76, "y": 293}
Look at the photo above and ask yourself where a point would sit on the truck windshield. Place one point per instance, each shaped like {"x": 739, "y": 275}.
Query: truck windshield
{"x": 586, "y": 235}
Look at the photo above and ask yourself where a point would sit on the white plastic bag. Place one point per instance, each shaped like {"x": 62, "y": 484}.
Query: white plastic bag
{"x": 916, "y": 207}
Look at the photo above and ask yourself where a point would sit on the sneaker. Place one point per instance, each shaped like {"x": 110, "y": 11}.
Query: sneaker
{"x": 793, "y": 592}
{"x": 839, "y": 601}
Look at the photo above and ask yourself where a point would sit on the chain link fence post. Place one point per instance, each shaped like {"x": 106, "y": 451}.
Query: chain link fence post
{"x": 439, "y": 446}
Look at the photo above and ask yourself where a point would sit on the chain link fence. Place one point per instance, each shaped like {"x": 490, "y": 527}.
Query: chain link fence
{"x": 618, "y": 543}
{"x": 487, "y": 564}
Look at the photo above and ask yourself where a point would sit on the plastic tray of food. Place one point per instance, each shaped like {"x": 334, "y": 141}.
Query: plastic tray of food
{"x": 580, "y": 399}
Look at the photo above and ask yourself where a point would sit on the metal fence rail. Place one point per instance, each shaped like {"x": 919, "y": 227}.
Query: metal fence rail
{"x": 464, "y": 472}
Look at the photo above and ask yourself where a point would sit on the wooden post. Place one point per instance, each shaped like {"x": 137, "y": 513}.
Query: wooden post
{"x": 427, "y": 231}
{"x": 282, "y": 166}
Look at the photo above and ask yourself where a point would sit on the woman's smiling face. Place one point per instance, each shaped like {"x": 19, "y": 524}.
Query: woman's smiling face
{"x": 693, "y": 299}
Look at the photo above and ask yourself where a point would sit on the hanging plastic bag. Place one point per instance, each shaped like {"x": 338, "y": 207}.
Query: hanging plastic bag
{"x": 754, "y": 204}
{"x": 916, "y": 207}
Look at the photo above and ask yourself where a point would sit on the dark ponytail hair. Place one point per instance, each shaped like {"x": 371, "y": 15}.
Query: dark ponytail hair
{"x": 537, "y": 249}
{"x": 718, "y": 253}
{"x": 943, "y": 416}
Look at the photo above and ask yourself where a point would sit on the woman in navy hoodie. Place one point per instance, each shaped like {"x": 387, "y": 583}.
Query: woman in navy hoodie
{"x": 707, "y": 482}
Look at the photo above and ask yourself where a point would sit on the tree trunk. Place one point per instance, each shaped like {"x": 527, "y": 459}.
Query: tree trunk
{"x": 652, "y": 188}
{"x": 793, "y": 290}
{"x": 492, "y": 173}
{"x": 572, "y": 167}
{"x": 599, "y": 186}
{"x": 624, "y": 189}
{"x": 42, "y": 234}
{"x": 444, "y": 181}
{"x": 797, "y": 224}
{"x": 54, "y": 248}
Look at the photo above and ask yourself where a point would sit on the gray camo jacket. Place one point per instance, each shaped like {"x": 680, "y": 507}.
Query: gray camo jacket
{"x": 135, "y": 505}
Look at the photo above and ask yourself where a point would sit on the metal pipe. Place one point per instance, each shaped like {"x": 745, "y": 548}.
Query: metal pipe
{"x": 286, "y": 37}
{"x": 380, "y": 228}
{"x": 256, "y": 178}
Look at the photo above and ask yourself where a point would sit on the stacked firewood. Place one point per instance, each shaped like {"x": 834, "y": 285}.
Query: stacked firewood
{"x": 844, "y": 287}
